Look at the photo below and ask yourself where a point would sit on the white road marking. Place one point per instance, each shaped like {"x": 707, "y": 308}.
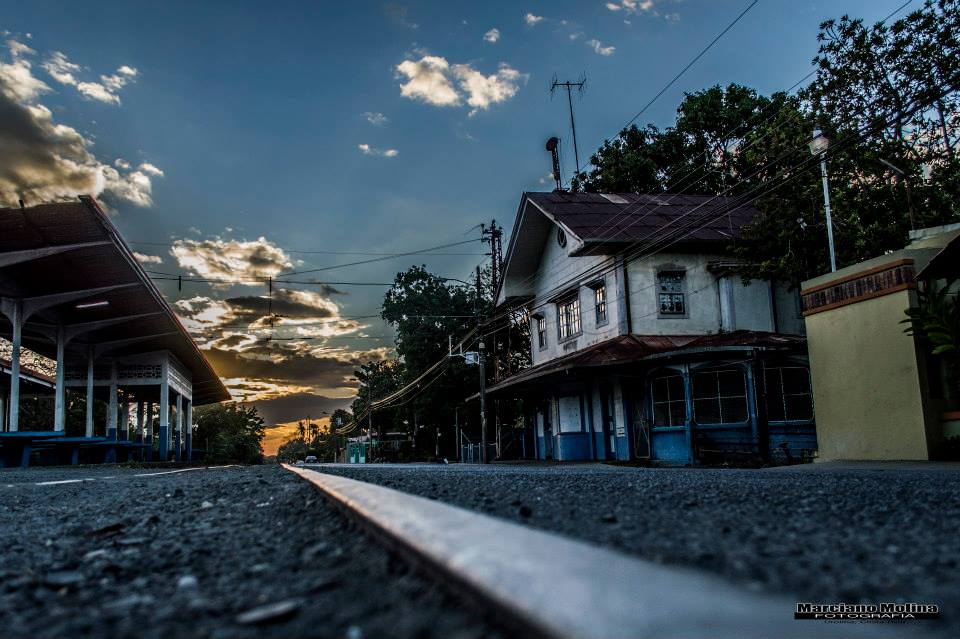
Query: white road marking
{"x": 553, "y": 586}
{"x": 164, "y": 472}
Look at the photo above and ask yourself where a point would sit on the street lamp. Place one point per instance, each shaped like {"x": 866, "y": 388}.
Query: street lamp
{"x": 818, "y": 146}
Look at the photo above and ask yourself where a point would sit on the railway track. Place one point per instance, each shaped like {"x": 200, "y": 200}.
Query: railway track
{"x": 540, "y": 584}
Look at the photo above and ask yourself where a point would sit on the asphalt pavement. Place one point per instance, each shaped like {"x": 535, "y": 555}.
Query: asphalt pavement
{"x": 855, "y": 535}
{"x": 218, "y": 553}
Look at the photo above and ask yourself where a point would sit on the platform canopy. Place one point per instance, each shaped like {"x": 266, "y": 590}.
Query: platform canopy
{"x": 73, "y": 280}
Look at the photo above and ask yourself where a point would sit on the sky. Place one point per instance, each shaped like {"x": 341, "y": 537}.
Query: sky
{"x": 236, "y": 141}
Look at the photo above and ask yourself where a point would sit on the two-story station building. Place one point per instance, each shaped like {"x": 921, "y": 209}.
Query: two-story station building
{"x": 646, "y": 341}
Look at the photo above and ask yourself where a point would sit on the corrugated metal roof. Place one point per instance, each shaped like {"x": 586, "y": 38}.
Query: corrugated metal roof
{"x": 626, "y": 349}
{"x": 107, "y": 261}
{"x": 602, "y": 216}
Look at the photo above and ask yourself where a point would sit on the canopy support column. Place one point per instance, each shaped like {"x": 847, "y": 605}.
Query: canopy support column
{"x": 165, "y": 410}
{"x": 148, "y": 431}
{"x": 125, "y": 417}
{"x": 60, "y": 391}
{"x": 89, "y": 416}
{"x": 178, "y": 435}
{"x": 189, "y": 430}
{"x": 14, "y": 310}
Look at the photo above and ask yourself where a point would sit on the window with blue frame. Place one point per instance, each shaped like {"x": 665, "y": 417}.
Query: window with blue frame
{"x": 789, "y": 397}
{"x": 720, "y": 396}
{"x": 669, "y": 401}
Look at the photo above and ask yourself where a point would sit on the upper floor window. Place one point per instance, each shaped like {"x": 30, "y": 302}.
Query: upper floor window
{"x": 671, "y": 297}
{"x": 568, "y": 317}
{"x": 789, "y": 397}
{"x": 600, "y": 302}
{"x": 541, "y": 325}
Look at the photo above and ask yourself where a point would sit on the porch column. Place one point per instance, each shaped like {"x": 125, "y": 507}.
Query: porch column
{"x": 189, "y": 430}
{"x": 59, "y": 402}
{"x": 89, "y": 417}
{"x": 140, "y": 425}
{"x": 125, "y": 417}
{"x": 3, "y": 412}
{"x": 17, "y": 320}
{"x": 112, "y": 404}
{"x": 164, "y": 414}
{"x": 148, "y": 431}
{"x": 178, "y": 435}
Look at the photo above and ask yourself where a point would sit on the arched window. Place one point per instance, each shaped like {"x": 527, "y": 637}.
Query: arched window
{"x": 720, "y": 396}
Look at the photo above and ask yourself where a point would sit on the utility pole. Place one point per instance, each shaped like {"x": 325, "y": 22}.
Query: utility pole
{"x": 483, "y": 383}
{"x": 569, "y": 86}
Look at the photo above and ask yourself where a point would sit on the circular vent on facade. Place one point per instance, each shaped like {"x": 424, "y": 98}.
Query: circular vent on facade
{"x": 561, "y": 238}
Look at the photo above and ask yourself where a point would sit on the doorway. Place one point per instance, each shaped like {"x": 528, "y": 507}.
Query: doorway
{"x": 608, "y": 422}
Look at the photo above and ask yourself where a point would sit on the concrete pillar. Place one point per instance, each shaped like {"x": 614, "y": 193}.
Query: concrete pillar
{"x": 89, "y": 417}
{"x": 112, "y": 404}
{"x": 148, "y": 432}
{"x": 164, "y": 411}
{"x": 141, "y": 436}
{"x": 178, "y": 434}
{"x": 189, "y": 430}
{"x": 17, "y": 321}
{"x": 125, "y": 417}
{"x": 60, "y": 391}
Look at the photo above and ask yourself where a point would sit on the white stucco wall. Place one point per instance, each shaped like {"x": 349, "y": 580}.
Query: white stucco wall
{"x": 557, "y": 268}
{"x": 701, "y": 295}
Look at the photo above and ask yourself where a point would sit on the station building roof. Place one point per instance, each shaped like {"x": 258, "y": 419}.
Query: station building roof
{"x": 55, "y": 249}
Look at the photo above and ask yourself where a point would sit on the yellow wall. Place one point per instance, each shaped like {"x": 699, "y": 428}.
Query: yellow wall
{"x": 866, "y": 381}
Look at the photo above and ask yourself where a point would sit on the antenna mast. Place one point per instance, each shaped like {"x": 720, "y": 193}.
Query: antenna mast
{"x": 569, "y": 86}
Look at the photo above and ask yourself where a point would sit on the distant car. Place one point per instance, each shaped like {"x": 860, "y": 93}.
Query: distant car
{"x": 299, "y": 462}
{"x": 311, "y": 459}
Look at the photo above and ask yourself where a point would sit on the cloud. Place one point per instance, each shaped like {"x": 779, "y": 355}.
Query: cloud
{"x": 428, "y": 80}
{"x": 632, "y": 6}
{"x": 492, "y": 35}
{"x": 150, "y": 169}
{"x": 44, "y": 160}
{"x": 17, "y": 81}
{"x": 598, "y": 47}
{"x": 230, "y": 260}
{"x": 148, "y": 259}
{"x": 366, "y": 149}
{"x": 482, "y": 91}
{"x": 375, "y": 118}
{"x": 435, "y": 81}
{"x": 531, "y": 19}
{"x": 63, "y": 71}
{"x": 638, "y": 7}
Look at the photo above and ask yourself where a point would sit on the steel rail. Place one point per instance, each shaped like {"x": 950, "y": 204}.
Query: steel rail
{"x": 543, "y": 585}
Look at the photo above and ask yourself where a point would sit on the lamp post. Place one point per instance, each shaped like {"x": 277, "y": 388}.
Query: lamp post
{"x": 818, "y": 146}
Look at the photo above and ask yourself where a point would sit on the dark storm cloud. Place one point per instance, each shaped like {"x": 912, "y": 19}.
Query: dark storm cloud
{"x": 297, "y": 406}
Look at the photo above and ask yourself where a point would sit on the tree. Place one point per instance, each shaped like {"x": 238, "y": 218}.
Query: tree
{"x": 230, "y": 433}
{"x": 884, "y": 96}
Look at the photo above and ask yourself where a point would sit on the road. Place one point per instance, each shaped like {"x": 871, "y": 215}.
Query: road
{"x": 230, "y": 552}
{"x": 821, "y": 535}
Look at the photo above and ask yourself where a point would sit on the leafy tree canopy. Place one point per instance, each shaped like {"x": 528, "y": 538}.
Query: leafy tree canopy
{"x": 885, "y": 97}
{"x": 230, "y": 433}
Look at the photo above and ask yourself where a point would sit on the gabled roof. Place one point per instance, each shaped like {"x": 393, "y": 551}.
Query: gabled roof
{"x": 607, "y": 223}
{"x": 66, "y": 247}
{"x": 630, "y": 217}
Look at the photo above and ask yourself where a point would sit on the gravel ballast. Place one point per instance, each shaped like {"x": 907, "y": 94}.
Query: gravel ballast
{"x": 230, "y": 552}
{"x": 824, "y": 537}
